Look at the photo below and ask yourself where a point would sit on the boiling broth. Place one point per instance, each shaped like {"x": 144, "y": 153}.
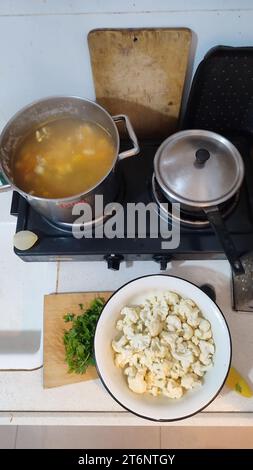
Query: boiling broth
{"x": 63, "y": 158}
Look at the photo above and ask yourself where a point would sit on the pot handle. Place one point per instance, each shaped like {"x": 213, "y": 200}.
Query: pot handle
{"x": 4, "y": 186}
{"x": 135, "y": 149}
{"x": 214, "y": 216}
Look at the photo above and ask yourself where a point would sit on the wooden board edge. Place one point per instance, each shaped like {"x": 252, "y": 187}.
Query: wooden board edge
{"x": 93, "y": 370}
{"x": 114, "y": 30}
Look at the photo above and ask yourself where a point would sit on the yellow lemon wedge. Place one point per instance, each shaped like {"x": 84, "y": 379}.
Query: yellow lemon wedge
{"x": 237, "y": 383}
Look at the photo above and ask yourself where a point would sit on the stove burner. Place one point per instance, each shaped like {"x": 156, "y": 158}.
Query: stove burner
{"x": 189, "y": 219}
{"x": 90, "y": 225}
{"x": 68, "y": 227}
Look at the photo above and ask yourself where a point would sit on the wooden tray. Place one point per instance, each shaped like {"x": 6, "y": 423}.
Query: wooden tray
{"x": 55, "y": 372}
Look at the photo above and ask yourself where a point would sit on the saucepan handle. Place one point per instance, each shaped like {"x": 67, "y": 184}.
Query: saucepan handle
{"x": 4, "y": 186}
{"x": 135, "y": 149}
{"x": 216, "y": 221}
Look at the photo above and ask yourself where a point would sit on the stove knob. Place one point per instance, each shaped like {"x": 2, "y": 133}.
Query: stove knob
{"x": 163, "y": 260}
{"x": 113, "y": 261}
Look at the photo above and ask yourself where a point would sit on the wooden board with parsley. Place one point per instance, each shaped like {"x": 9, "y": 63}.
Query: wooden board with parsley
{"x": 78, "y": 340}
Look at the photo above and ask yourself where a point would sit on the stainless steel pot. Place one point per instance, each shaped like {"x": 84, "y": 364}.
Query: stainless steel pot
{"x": 41, "y": 112}
{"x": 202, "y": 170}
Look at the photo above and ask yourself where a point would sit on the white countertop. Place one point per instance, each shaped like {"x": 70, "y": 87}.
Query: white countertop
{"x": 22, "y": 397}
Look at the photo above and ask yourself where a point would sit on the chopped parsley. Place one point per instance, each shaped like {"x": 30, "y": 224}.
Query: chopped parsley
{"x": 78, "y": 340}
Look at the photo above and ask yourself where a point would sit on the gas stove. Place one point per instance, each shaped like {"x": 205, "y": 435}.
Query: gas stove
{"x": 198, "y": 241}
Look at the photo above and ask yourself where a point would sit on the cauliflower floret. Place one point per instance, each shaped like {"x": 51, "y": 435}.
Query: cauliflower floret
{"x": 171, "y": 297}
{"x": 192, "y": 317}
{"x": 160, "y": 308}
{"x": 181, "y": 345}
{"x": 154, "y": 391}
{"x": 203, "y": 334}
{"x": 146, "y": 313}
{"x": 122, "y": 358}
{"x": 169, "y": 339}
{"x": 160, "y": 369}
{"x": 149, "y": 378}
{"x": 160, "y": 382}
{"x": 165, "y": 345}
{"x": 186, "y": 359}
{"x": 206, "y": 347}
{"x": 139, "y": 327}
{"x": 137, "y": 384}
{"x": 173, "y": 323}
{"x": 190, "y": 381}
{"x": 188, "y": 311}
{"x": 177, "y": 310}
{"x": 204, "y": 325}
{"x": 134, "y": 360}
{"x": 128, "y": 331}
{"x": 147, "y": 358}
{"x": 188, "y": 331}
{"x": 154, "y": 327}
{"x": 130, "y": 313}
{"x": 119, "y": 345}
{"x": 173, "y": 390}
{"x": 184, "y": 308}
{"x": 119, "y": 325}
{"x": 206, "y": 351}
{"x": 131, "y": 371}
{"x": 177, "y": 370}
{"x": 140, "y": 342}
{"x": 199, "y": 368}
{"x": 195, "y": 340}
{"x": 195, "y": 349}
{"x": 159, "y": 350}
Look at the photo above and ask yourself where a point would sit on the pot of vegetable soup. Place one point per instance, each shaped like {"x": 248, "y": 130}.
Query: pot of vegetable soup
{"x": 60, "y": 151}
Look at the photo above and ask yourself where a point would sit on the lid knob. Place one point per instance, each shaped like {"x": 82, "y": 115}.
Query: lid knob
{"x": 202, "y": 155}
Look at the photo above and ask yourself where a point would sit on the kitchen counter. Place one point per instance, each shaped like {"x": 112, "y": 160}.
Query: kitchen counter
{"x": 22, "y": 397}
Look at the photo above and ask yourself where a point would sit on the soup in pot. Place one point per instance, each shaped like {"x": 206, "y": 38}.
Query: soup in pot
{"x": 63, "y": 158}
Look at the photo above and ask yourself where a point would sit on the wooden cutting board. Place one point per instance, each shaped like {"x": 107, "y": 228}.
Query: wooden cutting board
{"x": 141, "y": 73}
{"x": 55, "y": 371}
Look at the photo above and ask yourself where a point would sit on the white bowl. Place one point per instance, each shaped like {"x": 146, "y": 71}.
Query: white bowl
{"x": 161, "y": 408}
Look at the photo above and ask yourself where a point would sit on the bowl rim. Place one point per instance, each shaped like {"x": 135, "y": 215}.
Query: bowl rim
{"x": 163, "y": 420}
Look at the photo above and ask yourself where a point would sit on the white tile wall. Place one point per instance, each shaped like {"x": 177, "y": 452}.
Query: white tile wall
{"x": 43, "y": 44}
{"x": 50, "y": 7}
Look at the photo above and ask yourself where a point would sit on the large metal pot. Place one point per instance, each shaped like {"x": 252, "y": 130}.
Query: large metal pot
{"x": 202, "y": 170}
{"x": 41, "y": 112}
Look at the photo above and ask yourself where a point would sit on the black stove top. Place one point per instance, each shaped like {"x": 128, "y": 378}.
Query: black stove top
{"x": 136, "y": 172}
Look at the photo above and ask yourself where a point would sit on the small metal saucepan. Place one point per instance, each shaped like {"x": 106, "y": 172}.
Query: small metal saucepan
{"x": 48, "y": 109}
{"x": 202, "y": 170}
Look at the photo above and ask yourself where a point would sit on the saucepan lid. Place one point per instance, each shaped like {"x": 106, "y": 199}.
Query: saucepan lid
{"x": 198, "y": 168}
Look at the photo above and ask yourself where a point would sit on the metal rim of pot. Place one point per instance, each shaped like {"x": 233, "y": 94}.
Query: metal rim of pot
{"x": 9, "y": 185}
{"x": 183, "y": 168}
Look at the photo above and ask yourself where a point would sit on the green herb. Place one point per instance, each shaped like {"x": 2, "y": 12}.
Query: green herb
{"x": 238, "y": 388}
{"x": 78, "y": 340}
{"x": 68, "y": 317}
